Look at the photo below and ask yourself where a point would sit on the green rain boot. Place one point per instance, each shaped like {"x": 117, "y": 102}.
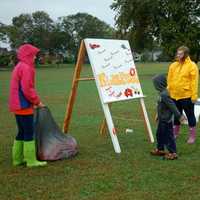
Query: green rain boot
{"x": 30, "y": 155}
{"x": 17, "y": 153}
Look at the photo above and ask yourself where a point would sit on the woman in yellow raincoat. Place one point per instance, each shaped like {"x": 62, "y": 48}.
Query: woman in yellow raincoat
{"x": 182, "y": 83}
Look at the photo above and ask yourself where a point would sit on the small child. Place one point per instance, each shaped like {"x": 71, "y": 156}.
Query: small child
{"x": 165, "y": 111}
{"x": 23, "y": 97}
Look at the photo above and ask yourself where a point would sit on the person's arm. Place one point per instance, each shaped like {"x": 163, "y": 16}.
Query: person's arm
{"x": 170, "y": 104}
{"x": 27, "y": 84}
{"x": 194, "y": 82}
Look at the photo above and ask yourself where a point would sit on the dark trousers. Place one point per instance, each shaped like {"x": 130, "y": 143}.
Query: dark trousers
{"x": 165, "y": 137}
{"x": 188, "y": 107}
{"x": 25, "y": 127}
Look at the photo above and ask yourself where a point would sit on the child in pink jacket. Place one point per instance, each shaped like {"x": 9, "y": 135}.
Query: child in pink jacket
{"x": 23, "y": 97}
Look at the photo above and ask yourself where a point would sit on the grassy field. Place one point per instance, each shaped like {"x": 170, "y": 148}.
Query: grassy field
{"x": 97, "y": 172}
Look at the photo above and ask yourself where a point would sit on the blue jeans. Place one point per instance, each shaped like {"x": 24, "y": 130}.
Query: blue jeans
{"x": 165, "y": 137}
{"x": 25, "y": 127}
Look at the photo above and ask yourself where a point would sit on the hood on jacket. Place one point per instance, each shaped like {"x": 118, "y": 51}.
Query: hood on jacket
{"x": 26, "y": 53}
{"x": 160, "y": 82}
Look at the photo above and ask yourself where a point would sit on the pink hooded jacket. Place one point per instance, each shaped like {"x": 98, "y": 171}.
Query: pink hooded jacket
{"x": 22, "y": 85}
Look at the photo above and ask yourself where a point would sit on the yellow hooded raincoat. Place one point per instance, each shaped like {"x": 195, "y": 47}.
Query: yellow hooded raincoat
{"x": 182, "y": 80}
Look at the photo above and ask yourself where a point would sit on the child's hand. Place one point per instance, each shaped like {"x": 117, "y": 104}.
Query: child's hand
{"x": 41, "y": 105}
{"x": 182, "y": 118}
{"x": 34, "y": 106}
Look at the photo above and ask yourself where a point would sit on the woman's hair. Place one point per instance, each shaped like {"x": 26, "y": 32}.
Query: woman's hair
{"x": 185, "y": 51}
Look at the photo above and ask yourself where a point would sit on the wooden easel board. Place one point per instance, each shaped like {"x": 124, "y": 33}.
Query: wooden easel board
{"x": 116, "y": 78}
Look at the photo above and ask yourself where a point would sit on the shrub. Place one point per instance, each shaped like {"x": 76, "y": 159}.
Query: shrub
{"x": 4, "y": 60}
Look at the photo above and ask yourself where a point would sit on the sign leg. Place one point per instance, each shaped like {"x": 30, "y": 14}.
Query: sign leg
{"x": 146, "y": 120}
{"x": 111, "y": 128}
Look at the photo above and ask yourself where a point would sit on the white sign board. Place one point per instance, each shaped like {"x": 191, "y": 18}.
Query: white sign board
{"x": 114, "y": 69}
{"x": 116, "y": 78}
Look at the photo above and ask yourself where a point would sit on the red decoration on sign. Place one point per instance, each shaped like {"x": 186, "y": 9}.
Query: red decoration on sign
{"x": 114, "y": 131}
{"x": 128, "y": 92}
{"x": 132, "y": 71}
{"x": 94, "y": 46}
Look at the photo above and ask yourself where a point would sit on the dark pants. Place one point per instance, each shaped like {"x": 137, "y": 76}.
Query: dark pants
{"x": 25, "y": 127}
{"x": 188, "y": 107}
{"x": 165, "y": 137}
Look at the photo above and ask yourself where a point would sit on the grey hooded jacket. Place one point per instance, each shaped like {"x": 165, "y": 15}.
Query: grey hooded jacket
{"x": 166, "y": 108}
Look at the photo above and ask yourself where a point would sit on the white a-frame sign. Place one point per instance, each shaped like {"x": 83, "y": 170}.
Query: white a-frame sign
{"x": 116, "y": 78}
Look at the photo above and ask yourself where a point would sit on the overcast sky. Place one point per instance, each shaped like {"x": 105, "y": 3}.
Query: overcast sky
{"x": 56, "y": 8}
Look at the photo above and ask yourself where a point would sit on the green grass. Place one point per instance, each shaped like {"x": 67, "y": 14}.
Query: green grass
{"x": 97, "y": 172}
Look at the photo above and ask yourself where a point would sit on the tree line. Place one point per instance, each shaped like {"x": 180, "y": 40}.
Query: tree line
{"x": 147, "y": 24}
{"x": 54, "y": 37}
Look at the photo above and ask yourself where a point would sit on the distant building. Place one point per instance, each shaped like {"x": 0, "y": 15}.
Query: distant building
{"x": 156, "y": 54}
{"x": 147, "y": 55}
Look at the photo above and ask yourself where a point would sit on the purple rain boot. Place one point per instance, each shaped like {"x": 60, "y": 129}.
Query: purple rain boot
{"x": 192, "y": 135}
{"x": 176, "y": 130}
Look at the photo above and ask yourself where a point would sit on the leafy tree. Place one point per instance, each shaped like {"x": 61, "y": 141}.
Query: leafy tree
{"x": 133, "y": 21}
{"x": 83, "y": 25}
{"x": 21, "y": 30}
{"x": 42, "y": 27}
{"x": 33, "y": 29}
{"x": 2, "y": 31}
{"x": 162, "y": 22}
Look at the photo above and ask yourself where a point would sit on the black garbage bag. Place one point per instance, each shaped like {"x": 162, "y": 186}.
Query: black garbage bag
{"x": 51, "y": 143}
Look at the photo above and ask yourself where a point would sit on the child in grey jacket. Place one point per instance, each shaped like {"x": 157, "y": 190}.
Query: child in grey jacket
{"x": 166, "y": 110}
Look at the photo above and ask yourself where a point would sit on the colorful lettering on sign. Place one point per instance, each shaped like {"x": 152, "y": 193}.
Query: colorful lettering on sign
{"x": 120, "y": 78}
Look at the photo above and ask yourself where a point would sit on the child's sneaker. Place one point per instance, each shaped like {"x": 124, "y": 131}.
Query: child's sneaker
{"x": 157, "y": 152}
{"x": 171, "y": 156}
